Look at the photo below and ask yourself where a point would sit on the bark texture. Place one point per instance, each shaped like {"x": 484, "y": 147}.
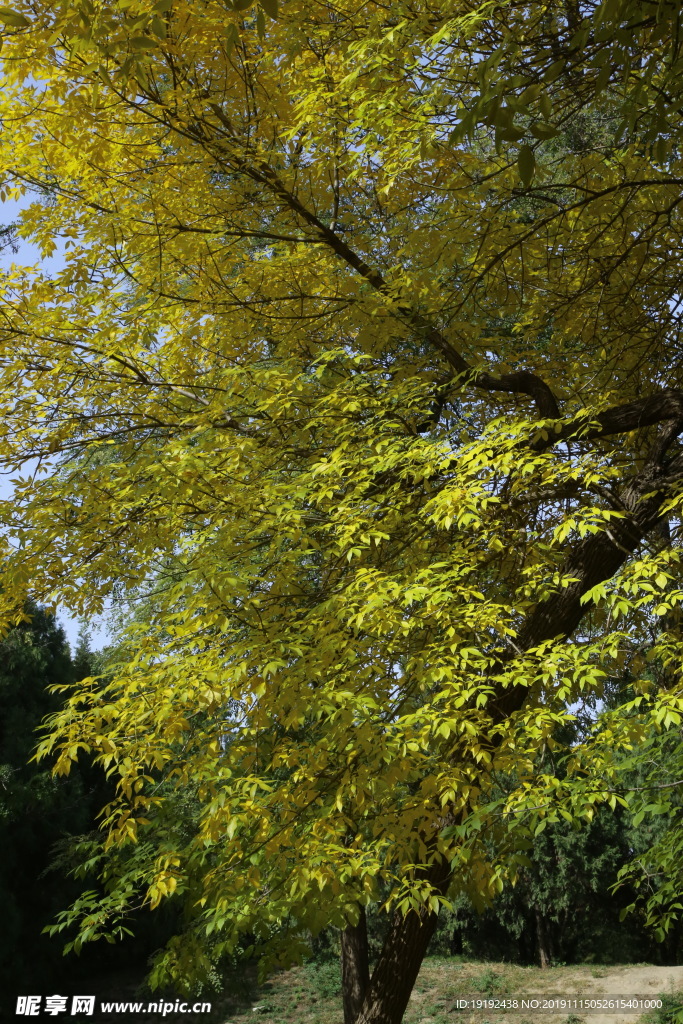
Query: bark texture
{"x": 355, "y": 967}
{"x": 401, "y": 958}
{"x": 397, "y": 968}
{"x": 541, "y": 940}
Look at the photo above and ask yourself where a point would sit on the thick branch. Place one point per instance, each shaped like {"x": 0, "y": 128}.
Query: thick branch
{"x": 521, "y": 382}
{"x": 596, "y": 559}
{"x": 658, "y": 408}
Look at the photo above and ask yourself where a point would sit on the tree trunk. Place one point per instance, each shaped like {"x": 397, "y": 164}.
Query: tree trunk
{"x": 397, "y": 968}
{"x": 399, "y": 963}
{"x": 355, "y": 968}
{"x": 542, "y": 939}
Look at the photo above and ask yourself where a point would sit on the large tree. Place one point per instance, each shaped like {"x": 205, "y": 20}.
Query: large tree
{"x": 364, "y": 359}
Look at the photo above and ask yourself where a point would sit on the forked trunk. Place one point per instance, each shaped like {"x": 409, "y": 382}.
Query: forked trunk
{"x": 399, "y": 962}
{"x": 355, "y": 968}
{"x": 397, "y": 968}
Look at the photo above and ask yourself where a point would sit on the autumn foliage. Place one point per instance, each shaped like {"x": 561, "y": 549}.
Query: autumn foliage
{"x": 359, "y": 377}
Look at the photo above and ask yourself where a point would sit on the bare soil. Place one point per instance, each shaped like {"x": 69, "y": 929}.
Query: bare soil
{"x": 310, "y": 995}
{"x": 644, "y": 980}
{"x": 304, "y": 995}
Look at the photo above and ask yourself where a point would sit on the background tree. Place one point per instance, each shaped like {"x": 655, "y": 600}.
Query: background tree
{"x": 47, "y": 824}
{"x": 35, "y": 808}
{"x": 562, "y": 908}
{"x": 38, "y": 812}
{"x": 385, "y": 347}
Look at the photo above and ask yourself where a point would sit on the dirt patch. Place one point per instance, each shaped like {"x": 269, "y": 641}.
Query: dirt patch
{"x": 445, "y": 985}
{"x": 637, "y": 980}
{"x": 311, "y": 994}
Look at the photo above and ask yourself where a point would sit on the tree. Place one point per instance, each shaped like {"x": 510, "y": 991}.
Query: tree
{"x": 83, "y": 657}
{"x": 365, "y": 359}
{"x": 654, "y": 870}
{"x": 45, "y": 822}
{"x": 562, "y": 908}
{"x": 36, "y": 809}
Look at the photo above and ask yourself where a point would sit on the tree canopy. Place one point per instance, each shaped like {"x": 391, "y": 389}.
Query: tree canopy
{"x": 361, "y": 373}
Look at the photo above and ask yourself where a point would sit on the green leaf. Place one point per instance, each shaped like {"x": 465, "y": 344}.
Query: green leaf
{"x": 662, "y": 150}
{"x": 13, "y": 18}
{"x": 541, "y": 130}
{"x": 142, "y": 43}
{"x": 545, "y": 104}
{"x": 503, "y": 117}
{"x": 511, "y": 134}
{"x": 231, "y": 36}
{"x": 270, "y": 7}
{"x": 159, "y": 27}
{"x": 526, "y": 165}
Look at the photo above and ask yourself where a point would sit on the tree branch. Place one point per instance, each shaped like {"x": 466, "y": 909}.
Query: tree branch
{"x": 619, "y": 419}
{"x": 594, "y": 560}
{"x": 520, "y": 382}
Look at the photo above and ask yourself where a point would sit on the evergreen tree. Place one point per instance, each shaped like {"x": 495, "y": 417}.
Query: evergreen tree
{"x": 45, "y": 821}
{"x": 83, "y": 658}
{"x": 563, "y": 908}
{"x": 36, "y": 809}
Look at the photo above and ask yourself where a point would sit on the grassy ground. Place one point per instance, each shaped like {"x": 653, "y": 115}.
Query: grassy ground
{"x": 310, "y": 994}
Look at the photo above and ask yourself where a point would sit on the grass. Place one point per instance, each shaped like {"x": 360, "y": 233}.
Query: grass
{"x": 311, "y": 994}
{"x": 671, "y": 1011}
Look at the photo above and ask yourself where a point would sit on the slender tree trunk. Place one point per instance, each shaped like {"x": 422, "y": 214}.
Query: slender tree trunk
{"x": 355, "y": 967}
{"x": 542, "y": 939}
